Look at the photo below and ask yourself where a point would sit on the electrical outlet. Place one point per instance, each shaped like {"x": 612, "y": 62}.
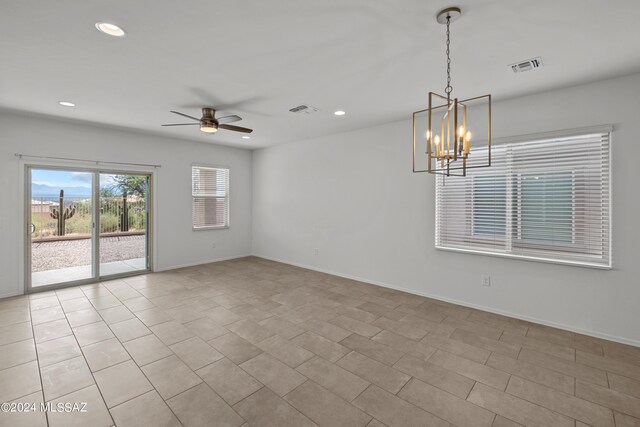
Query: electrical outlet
{"x": 316, "y": 251}
{"x": 486, "y": 280}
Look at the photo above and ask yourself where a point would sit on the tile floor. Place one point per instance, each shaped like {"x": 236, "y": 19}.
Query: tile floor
{"x": 254, "y": 342}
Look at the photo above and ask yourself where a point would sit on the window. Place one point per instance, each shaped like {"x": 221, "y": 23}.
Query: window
{"x": 544, "y": 199}
{"x": 210, "y": 197}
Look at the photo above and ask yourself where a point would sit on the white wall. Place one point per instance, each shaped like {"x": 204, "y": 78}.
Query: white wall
{"x": 176, "y": 243}
{"x": 353, "y": 196}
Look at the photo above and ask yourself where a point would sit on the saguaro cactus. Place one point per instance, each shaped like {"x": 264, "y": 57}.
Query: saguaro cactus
{"x": 124, "y": 213}
{"x": 62, "y": 215}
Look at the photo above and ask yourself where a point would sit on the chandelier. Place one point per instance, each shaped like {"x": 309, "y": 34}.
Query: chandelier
{"x": 450, "y": 126}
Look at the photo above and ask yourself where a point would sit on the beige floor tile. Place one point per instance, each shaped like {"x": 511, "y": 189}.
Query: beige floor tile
{"x": 107, "y": 301}
{"x": 404, "y": 344}
{"x": 171, "y": 332}
{"x": 170, "y": 376}
{"x": 196, "y": 353}
{"x": 613, "y": 399}
{"x": 51, "y": 330}
{"x": 116, "y": 314}
{"x": 501, "y": 421}
{"x": 623, "y": 420}
{"x": 274, "y": 374}
{"x": 431, "y": 327}
{"x": 120, "y": 383}
{"x": 516, "y": 409}
{"x": 250, "y": 331}
{"x": 46, "y": 315}
{"x": 356, "y": 326}
{"x": 357, "y": 314}
{"x": 153, "y": 316}
{"x": 105, "y": 354}
{"x": 458, "y": 348}
{"x": 435, "y": 375}
{"x": 325, "y": 329}
{"x": 137, "y": 304}
{"x": 12, "y": 316}
{"x": 537, "y": 374}
{"x": 95, "y": 412}
{"x": 394, "y": 411}
{"x": 83, "y": 317}
{"x": 333, "y": 378}
{"x": 44, "y": 302}
{"x": 579, "y": 371}
{"x": 624, "y": 385}
{"x": 17, "y": 353}
{"x": 222, "y": 316}
{"x": 25, "y": 419}
{"x": 147, "y": 349}
{"x": 92, "y": 333}
{"x": 611, "y": 365}
{"x": 373, "y": 349}
{"x": 65, "y": 377}
{"x": 129, "y": 330}
{"x": 570, "y": 406}
{"x": 76, "y": 304}
{"x": 265, "y": 408}
{"x": 321, "y": 346}
{"x": 405, "y": 329}
{"x": 445, "y": 405}
{"x": 476, "y": 371}
{"x": 16, "y": 332}
{"x": 550, "y": 348}
{"x": 324, "y": 407}
{"x": 69, "y": 293}
{"x": 249, "y": 312}
{"x": 284, "y": 350}
{"x": 282, "y": 327}
{"x": 206, "y": 328}
{"x": 54, "y": 351}
{"x": 373, "y": 371}
{"x": 200, "y": 405}
{"x": 19, "y": 381}
{"x": 476, "y": 328}
{"x": 500, "y": 347}
{"x": 229, "y": 381}
{"x": 156, "y": 413}
{"x": 235, "y": 348}
{"x": 507, "y": 324}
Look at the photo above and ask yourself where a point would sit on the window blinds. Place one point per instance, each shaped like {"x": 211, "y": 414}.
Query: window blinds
{"x": 210, "y": 194}
{"x": 545, "y": 199}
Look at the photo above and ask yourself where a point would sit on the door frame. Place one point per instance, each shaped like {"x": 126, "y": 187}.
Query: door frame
{"x": 96, "y": 169}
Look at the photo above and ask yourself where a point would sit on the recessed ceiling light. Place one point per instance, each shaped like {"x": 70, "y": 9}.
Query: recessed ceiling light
{"x": 110, "y": 29}
{"x": 339, "y": 113}
{"x": 246, "y": 137}
{"x": 66, "y": 104}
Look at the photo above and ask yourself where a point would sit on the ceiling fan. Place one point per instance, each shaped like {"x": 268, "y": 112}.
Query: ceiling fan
{"x": 210, "y": 124}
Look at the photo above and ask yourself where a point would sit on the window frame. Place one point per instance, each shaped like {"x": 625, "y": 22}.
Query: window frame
{"x": 227, "y": 197}
{"x": 481, "y": 246}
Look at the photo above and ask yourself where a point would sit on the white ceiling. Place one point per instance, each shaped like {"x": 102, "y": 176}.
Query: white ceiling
{"x": 375, "y": 59}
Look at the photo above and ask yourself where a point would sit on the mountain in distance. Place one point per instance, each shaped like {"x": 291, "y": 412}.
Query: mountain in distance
{"x": 44, "y": 190}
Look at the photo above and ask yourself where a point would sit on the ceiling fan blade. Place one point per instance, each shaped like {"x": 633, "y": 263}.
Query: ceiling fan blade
{"x": 236, "y": 128}
{"x": 182, "y": 124}
{"x": 229, "y": 119}
{"x": 185, "y": 115}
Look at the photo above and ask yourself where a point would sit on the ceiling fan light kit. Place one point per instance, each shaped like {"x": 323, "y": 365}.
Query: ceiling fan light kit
{"x": 209, "y": 123}
{"x": 447, "y": 126}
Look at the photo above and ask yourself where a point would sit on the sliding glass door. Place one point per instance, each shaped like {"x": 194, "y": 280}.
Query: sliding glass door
{"x": 85, "y": 225}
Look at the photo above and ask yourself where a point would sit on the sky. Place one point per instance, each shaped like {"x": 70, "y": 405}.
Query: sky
{"x": 58, "y": 178}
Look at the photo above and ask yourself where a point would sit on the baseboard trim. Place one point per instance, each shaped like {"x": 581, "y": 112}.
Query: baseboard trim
{"x": 193, "y": 264}
{"x": 590, "y": 333}
{"x": 11, "y": 294}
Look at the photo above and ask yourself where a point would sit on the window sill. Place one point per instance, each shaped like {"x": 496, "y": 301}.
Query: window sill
{"x": 221, "y": 227}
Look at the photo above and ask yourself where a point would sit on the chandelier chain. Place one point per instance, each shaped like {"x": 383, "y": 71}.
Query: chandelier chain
{"x": 449, "y": 88}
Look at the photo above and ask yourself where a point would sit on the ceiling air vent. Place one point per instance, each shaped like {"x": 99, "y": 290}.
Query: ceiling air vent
{"x": 527, "y": 65}
{"x": 304, "y": 109}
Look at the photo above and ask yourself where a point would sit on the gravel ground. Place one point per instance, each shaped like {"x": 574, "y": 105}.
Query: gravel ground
{"x": 72, "y": 253}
